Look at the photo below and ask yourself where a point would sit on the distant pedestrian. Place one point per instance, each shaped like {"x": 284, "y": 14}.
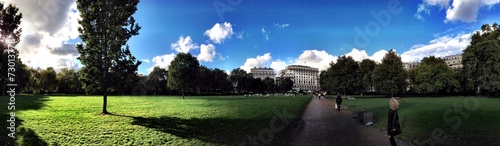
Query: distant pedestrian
{"x": 393, "y": 127}
{"x": 338, "y": 101}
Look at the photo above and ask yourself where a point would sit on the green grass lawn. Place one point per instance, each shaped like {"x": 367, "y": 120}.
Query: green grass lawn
{"x": 440, "y": 120}
{"x": 149, "y": 120}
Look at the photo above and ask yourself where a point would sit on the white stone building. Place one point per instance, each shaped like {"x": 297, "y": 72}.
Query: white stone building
{"x": 454, "y": 61}
{"x": 262, "y": 73}
{"x": 304, "y": 77}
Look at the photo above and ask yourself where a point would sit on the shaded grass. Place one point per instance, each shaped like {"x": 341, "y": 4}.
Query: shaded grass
{"x": 440, "y": 121}
{"x": 149, "y": 120}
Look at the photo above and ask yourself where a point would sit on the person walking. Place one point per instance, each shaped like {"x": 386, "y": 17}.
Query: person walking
{"x": 338, "y": 101}
{"x": 393, "y": 127}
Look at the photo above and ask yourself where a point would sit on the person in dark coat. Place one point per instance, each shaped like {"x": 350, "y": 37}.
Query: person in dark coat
{"x": 393, "y": 127}
{"x": 338, "y": 100}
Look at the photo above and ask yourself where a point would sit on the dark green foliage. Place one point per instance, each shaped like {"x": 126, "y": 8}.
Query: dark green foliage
{"x": 106, "y": 26}
{"x": 345, "y": 75}
{"x": 481, "y": 60}
{"x": 390, "y": 76}
{"x": 157, "y": 80}
{"x": 68, "y": 82}
{"x": 183, "y": 72}
{"x": 10, "y": 33}
{"x": 366, "y": 68}
{"x": 205, "y": 80}
{"x": 48, "y": 80}
{"x": 222, "y": 84}
{"x": 268, "y": 84}
{"x": 238, "y": 79}
{"x": 433, "y": 75}
{"x": 285, "y": 84}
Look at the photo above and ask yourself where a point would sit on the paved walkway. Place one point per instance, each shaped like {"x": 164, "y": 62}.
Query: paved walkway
{"x": 323, "y": 125}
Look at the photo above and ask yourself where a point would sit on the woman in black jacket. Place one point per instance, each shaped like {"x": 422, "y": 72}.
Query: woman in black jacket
{"x": 393, "y": 127}
{"x": 338, "y": 100}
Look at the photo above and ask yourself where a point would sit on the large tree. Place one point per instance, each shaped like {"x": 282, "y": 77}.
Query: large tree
{"x": 285, "y": 84}
{"x": 434, "y": 75}
{"x": 345, "y": 77}
{"x": 34, "y": 85}
{"x": 268, "y": 85}
{"x": 68, "y": 81}
{"x": 10, "y": 33}
{"x": 221, "y": 81}
{"x": 106, "y": 26}
{"x": 366, "y": 68}
{"x": 390, "y": 76}
{"x": 481, "y": 60}
{"x": 183, "y": 72}
{"x": 157, "y": 80}
{"x": 48, "y": 80}
{"x": 205, "y": 80}
{"x": 238, "y": 77}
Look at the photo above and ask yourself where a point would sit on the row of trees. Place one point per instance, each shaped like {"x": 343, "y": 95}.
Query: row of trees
{"x": 480, "y": 72}
{"x": 205, "y": 81}
{"x": 349, "y": 76}
{"x": 186, "y": 75}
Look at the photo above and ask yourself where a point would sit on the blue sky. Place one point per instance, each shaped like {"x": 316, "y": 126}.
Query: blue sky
{"x": 228, "y": 34}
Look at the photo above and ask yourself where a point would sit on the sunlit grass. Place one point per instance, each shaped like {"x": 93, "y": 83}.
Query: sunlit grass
{"x": 147, "y": 120}
{"x": 440, "y": 120}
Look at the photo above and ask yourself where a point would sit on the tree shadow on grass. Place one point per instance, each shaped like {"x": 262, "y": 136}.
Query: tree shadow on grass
{"x": 214, "y": 130}
{"x": 29, "y": 137}
{"x": 21, "y": 103}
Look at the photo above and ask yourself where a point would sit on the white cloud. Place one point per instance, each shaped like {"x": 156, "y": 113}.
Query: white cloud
{"x": 47, "y": 27}
{"x": 315, "y": 58}
{"x": 440, "y": 3}
{"x": 281, "y": 26}
{"x": 459, "y": 10}
{"x": 439, "y": 47}
{"x": 259, "y": 61}
{"x": 278, "y": 65}
{"x": 379, "y": 55}
{"x": 265, "y": 33}
{"x": 422, "y": 8}
{"x": 145, "y": 60}
{"x": 162, "y": 61}
{"x": 184, "y": 44}
{"x": 207, "y": 53}
{"x": 491, "y": 2}
{"x": 358, "y": 55}
{"x": 463, "y": 10}
{"x": 220, "y": 32}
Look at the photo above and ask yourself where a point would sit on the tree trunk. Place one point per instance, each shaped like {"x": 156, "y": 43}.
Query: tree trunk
{"x": 104, "y": 104}
{"x": 183, "y": 93}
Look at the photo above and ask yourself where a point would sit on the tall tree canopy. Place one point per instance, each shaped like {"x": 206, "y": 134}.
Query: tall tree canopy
{"x": 286, "y": 84}
{"x": 345, "y": 77}
{"x": 390, "y": 76}
{"x": 238, "y": 77}
{"x": 183, "y": 72}
{"x": 434, "y": 75}
{"x": 481, "y": 60}
{"x": 106, "y": 26}
{"x": 10, "y": 33}
{"x": 157, "y": 80}
{"x": 366, "y": 68}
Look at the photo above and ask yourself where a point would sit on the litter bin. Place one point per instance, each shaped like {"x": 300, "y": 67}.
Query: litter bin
{"x": 367, "y": 118}
{"x": 361, "y": 115}
{"x": 355, "y": 112}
